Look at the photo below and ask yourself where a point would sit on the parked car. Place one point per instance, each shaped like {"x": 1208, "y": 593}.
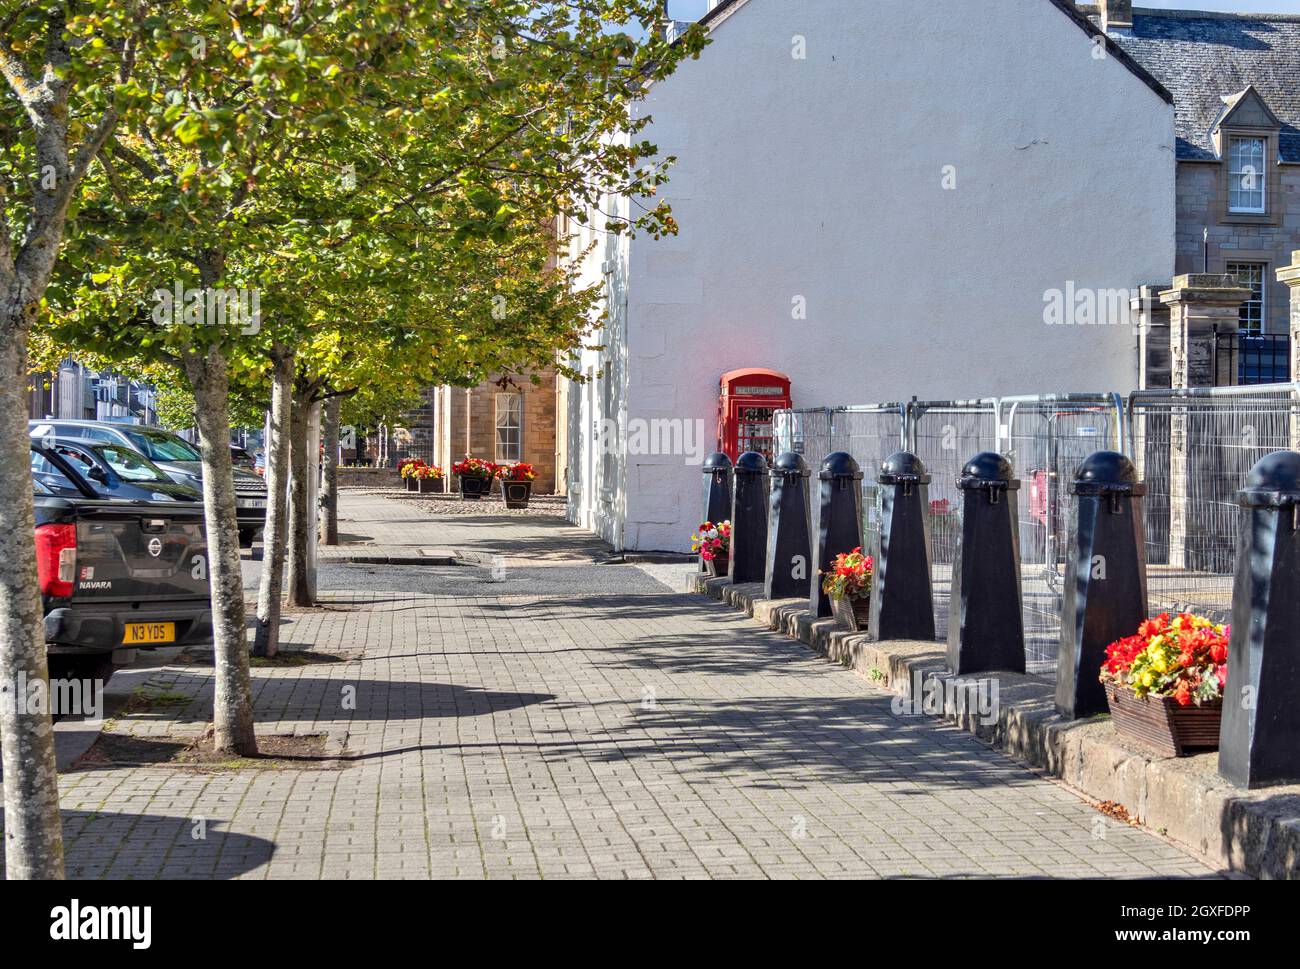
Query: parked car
{"x": 112, "y": 470}
{"x": 243, "y": 458}
{"x": 115, "y": 575}
{"x": 179, "y": 458}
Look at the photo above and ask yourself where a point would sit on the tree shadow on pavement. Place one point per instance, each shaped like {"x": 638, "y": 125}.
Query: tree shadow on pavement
{"x": 332, "y": 697}
{"x": 651, "y": 604}
{"x": 100, "y": 844}
{"x": 788, "y": 743}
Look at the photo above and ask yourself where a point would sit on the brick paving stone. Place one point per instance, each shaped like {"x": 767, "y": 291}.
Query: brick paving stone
{"x": 612, "y": 735}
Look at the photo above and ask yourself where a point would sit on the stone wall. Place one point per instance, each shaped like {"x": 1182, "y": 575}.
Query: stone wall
{"x": 471, "y": 424}
{"x": 1198, "y": 201}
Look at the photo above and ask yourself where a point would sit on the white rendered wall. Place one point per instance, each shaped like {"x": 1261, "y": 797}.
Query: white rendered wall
{"x": 821, "y": 181}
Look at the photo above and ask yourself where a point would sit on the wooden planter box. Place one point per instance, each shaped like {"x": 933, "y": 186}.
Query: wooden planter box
{"x": 516, "y": 493}
{"x": 852, "y": 614}
{"x": 473, "y": 488}
{"x": 718, "y": 565}
{"x": 429, "y": 486}
{"x": 1160, "y": 723}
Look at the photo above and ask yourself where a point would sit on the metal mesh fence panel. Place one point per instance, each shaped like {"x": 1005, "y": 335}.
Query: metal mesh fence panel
{"x": 1194, "y": 450}
{"x": 1046, "y": 439}
{"x": 945, "y": 435}
{"x": 870, "y": 433}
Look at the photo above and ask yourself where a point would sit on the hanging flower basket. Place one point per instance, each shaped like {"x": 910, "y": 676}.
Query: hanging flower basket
{"x": 848, "y": 585}
{"x": 517, "y": 484}
{"x": 713, "y": 542}
{"x": 1165, "y": 684}
{"x": 1161, "y": 723}
{"x": 854, "y": 614}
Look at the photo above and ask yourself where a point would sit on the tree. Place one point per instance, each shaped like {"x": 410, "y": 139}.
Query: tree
{"x": 69, "y": 77}
{"x": 207, "y": 131}
{"x": 180, "y": 226}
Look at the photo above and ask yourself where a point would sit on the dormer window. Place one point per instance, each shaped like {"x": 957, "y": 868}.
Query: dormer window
{"x": 1246, "y": 175}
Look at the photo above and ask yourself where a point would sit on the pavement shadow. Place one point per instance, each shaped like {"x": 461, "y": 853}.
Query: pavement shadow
{"x": 651, "y": 604}
{"x": 789, "y": 743}
{"x": 105, "y": 845}
{"x": 334, "y": 696}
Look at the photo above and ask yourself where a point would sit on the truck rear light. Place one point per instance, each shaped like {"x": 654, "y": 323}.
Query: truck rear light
{"x": 56, "y": 559}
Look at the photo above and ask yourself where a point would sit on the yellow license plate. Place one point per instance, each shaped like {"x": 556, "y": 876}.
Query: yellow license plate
{"x": 149, "y": 632}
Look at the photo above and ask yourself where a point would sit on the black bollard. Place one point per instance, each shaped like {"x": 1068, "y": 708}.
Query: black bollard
{"x": 840, "y": 520}
{"x": 717, "y": 491}
{"x": 986, "y": 630}
{"x": 1261, "y": 700}
{"x": 788, "y": 546}
{"x": 902, "y": 606}
{"x": 1105, "y": 581}
{"x": 749, "y": 519}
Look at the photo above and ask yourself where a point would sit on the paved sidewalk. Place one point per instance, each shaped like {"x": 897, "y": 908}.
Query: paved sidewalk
{"x": 632, "y": 733}
{"x": 411, "y": 527}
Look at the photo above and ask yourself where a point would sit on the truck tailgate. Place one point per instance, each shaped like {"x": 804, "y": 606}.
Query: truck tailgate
{"x": 128, "y": 551}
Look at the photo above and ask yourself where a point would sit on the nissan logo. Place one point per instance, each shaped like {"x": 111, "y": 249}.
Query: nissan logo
{"x": 155, "y": 546}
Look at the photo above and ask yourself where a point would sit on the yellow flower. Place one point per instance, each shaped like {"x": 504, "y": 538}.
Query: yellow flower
{"x": 1147, "y": 679}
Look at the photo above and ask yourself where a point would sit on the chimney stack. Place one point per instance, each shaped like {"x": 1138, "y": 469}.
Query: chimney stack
{"x": 1116, "y": 16}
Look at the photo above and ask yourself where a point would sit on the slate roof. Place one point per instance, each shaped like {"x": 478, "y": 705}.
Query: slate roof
{"x": 1203, "y": 58}
{"x": 1067, "y": 7}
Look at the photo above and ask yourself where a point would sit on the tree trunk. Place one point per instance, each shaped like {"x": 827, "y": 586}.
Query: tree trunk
{"x": 33, "y": 834}
{"x": 330, "y": 490}
{"x": 270, "y": 590}
{"x": 300, "y": 532}
{"x": 232, "y": 714}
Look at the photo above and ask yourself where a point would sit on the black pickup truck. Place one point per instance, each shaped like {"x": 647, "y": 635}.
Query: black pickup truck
{"x": 115, "y": 575}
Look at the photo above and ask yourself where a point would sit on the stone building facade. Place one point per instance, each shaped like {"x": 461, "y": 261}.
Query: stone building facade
{"x": 873, "y": 199}
{"x": 1235, "y": 79}
{"x": 503, "y": 419}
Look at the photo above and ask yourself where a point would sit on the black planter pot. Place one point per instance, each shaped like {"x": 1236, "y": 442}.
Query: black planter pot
{"x": 473, "y": 488}
{"x": 430, "y": 486}
{"x": 516, "y": 493}
{"x": 412, "y": 484}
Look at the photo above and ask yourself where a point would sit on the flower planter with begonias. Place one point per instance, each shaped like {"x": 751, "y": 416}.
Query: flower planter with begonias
{"x": 475, "y": 476}
{"x": 406, "y": 468}
{"x": 1165, "y": 684}
{"x": 429, "y": 479}
{"x": 848, "y": 585}
{"x": 713, "y": 543}
{"x": 517, "y": 484}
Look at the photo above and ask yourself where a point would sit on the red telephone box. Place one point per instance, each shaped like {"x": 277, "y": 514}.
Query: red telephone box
{"x": 747, "y": 402}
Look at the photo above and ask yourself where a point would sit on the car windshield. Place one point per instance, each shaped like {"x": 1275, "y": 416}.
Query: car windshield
{"x": 163, "y": 447}
{"x": 47, "y": 479}
{"x": 131, "y": 465}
